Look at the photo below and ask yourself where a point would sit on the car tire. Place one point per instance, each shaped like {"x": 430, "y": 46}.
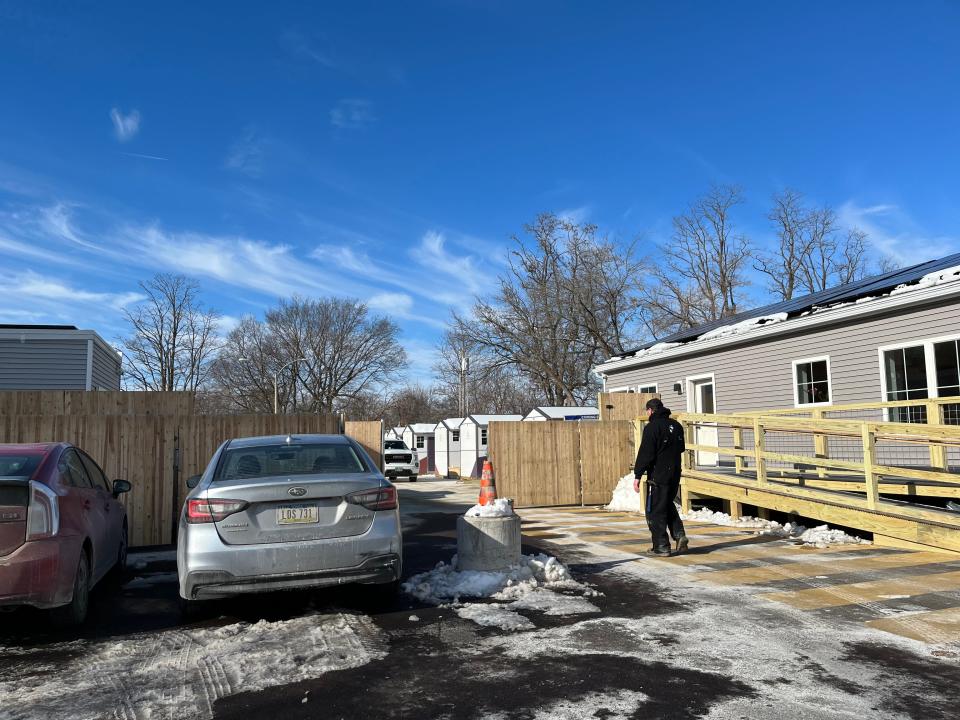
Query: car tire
{"x": 75, "y": 612}
{"x": 413, "y": 478}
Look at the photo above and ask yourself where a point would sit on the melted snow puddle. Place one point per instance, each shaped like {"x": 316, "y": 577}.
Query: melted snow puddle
{"x": 183, "y": 672}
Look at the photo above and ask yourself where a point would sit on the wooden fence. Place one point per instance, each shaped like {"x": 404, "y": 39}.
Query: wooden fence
{"x": 369, "y": 433}
{"x": 100, "y": 402}
{"x": 623, "y": 405}
{"x": 560, "y": 463}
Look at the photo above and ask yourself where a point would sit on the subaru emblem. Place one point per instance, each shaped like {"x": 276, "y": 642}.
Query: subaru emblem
{"x": 297, "y": 491}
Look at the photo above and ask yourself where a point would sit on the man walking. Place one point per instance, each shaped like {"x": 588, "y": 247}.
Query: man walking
{"x": 661, "y": 449}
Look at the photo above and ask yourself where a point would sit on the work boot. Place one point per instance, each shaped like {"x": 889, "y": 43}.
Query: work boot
{"x": 683, "y": 544}
{"x": 660, "y": 552}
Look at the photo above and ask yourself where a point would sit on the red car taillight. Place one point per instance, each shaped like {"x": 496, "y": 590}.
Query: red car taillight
{"x": 212, "y": 510}
{"x": 380, "y": 499}
{"x": 43, "y": 512}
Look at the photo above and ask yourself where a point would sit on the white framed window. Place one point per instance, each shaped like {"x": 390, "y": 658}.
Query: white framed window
{"x": 483, "y": 436}
{"x": 455, "y": 436}
{"x": 647, "y": 388}
{"x": 812, "y": 382}
{"x": 420, "y": 442}
{"x": 920, "y": 369}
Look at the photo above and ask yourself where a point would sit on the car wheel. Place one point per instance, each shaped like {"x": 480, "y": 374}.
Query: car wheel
{"x": 75, "y": 612}
{"x": 413, "y": 478}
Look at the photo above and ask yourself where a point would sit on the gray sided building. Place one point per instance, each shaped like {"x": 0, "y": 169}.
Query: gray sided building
{"x": 890, "y": 337}
{"x": 56, "y": 357}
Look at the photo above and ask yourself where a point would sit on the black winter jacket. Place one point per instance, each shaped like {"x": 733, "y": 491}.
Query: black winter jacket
{"x": 660, "y": 450}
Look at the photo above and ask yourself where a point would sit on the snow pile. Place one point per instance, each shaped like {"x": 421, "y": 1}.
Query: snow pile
{"x": 821, "y": 536}
{"x": 656, "y": 349}
{"x": 625, "y": 498}
{"x": 182, "y": 672}
{"x": 743, "y": 327}
{"x": 501, "y": 507}
{"x": 938, "y": 277}
{"x": 532, "y": 584}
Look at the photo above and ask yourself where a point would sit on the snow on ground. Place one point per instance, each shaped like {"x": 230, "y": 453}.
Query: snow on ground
{"x": 180, "y": 673}
{"x": 821, "y": 536}
{"x": 534, "y": 584}
{"x": 625, "y": 498}
{"x": 501, "y": 507}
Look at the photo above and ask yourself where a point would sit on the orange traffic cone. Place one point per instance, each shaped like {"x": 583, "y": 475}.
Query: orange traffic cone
{"x": 488, "y": 486}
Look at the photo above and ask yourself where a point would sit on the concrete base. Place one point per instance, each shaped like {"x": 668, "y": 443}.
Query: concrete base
{"x": 488, "y": 543}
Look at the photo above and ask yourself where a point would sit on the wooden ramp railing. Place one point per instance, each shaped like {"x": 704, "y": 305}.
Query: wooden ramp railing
{"x": 757, "y": 466}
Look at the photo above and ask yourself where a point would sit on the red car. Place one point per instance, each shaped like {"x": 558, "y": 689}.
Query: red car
{"x": 61, "y": 528}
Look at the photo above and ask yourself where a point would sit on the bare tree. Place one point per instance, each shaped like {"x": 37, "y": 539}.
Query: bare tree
{"x": 813, "y": 254}
{"x": 566, "y": 301}
{"x": 701, "y": 272}
{"x": 321, "y": 352}
{"x": 173, "y": 336}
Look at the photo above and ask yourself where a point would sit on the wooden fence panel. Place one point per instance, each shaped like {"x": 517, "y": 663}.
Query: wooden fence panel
{"x": 607, "y": 453}
{"x": 100, "y": 402}
{"x": 536, "y": 463}
{"x": 369, "y": 433}
{"x": 623, "y": 405}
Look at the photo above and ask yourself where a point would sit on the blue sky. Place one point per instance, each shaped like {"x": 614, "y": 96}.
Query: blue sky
{"x": 387, "y": 151}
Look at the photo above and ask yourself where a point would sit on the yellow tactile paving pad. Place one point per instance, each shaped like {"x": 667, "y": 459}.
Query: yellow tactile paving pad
{"x": 772, "y": 561}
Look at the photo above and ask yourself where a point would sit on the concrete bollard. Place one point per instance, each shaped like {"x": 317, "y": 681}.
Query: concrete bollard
{"x": 488, "y": 543}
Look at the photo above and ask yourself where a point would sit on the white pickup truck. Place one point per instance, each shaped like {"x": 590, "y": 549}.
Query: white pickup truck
{"x": 399, "y": 460}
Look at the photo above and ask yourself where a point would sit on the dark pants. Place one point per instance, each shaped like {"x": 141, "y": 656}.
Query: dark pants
{"x": 662, "y": 514}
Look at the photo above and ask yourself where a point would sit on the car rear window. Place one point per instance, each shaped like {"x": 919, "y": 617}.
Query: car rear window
{"x": 19, "y": 465}
{"x": 394, "y": 445}
{"x": 284, "y": 459}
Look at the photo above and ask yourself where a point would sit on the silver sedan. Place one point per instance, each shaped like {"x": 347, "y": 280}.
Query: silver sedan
{"x": 288, "y": 512}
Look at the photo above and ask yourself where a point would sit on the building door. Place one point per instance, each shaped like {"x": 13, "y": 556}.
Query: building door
{"x": 431, "y": 453}
{"x": 701, "y": 400}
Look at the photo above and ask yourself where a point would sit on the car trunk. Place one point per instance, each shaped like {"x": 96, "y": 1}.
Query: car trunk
{"x": 14, "y": 497}
{"x": 293, "y": 509}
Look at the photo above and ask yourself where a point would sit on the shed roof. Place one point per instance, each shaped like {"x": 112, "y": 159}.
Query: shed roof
{"x": 556, "y": 413}
{"x": 486, "y": 419}
{"x": 904, "y": 279}
{"x": 450, "y": 423}
{"x": 422, "y": 428}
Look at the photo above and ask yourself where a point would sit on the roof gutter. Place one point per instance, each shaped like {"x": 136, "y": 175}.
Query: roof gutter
{"x": 823, "y": 317}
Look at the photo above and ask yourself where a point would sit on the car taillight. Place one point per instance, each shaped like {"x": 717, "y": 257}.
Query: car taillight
{"x": 381, "y": 499}
{"x": 43, "y": 513}
{"x": 212, "y": 510}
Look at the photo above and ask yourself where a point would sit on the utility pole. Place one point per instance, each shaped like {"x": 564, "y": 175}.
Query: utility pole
{"x": 464, "y": 371}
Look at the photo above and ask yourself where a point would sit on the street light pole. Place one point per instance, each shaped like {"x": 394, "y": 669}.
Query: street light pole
{"x": 276, "y": 384}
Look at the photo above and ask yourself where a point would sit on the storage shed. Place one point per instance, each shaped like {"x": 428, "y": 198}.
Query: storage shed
{"x": 420, "y": 438}
{"x": 447, "y": 438}
{"x": 473, "y": 441}
{"x": 56, "y": 357}
{"x": 563, "y": 413}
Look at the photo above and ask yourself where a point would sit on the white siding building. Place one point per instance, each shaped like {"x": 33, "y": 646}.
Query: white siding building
{"x": 563, "y": 413}
{"x": 473, "y": 441}
{"x": 394, "y": 434}
{"x": 447, "y": 455}
{"x": 420, "y": 438}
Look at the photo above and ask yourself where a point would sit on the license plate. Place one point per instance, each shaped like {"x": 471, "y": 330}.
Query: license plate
{"x": 297, "y": 515}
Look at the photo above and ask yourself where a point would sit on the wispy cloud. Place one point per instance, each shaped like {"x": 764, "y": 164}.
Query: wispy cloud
{"x": 432, "y": 253}
{"x": 30, "y": 296}
{"x": 390, "y": 302}
{"x": 575, "y": 215}
{"x": 894, "y": 233}
{"x": 143, "y": 156}
{"x": 246, "y": 154}
{"x": 125, "y": 127}
{"x": 352, "y": 114}
{"x": 309, "y": 49}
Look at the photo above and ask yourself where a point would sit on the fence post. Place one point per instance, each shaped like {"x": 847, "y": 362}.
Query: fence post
{"x": 738, "y": 445}
{"x": 820, "y": 449}
{"x": 759, "y": 446}
{"x": 637, "y": 439}
{"x": 689, "y": 438}
{"x": 869, "y": 460}
{"x": 938, "y": 453}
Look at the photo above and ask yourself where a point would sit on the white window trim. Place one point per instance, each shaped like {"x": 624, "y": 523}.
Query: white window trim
{"x": 655, "y": 386}
{"x": 928, "y": 357}
{"x": 691, "y": 400}
{"x": 796, "y": 395}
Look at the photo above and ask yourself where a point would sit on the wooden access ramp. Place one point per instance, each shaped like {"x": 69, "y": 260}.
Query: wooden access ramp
{"x": 861, "y": 474}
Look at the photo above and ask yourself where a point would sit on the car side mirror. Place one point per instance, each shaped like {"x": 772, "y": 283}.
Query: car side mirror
{"x": 193, "y": 481}
{"x": 120, "y": 487}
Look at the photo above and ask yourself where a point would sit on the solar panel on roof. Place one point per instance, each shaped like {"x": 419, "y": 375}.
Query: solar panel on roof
{"x": 866, "y": 287}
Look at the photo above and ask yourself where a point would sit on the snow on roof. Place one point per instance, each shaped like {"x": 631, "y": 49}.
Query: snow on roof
{"x": 486, "y": 419}
{"x": 862, "y": 292}
{"x": 562, "y": 412}
{"x": 450, "y": 423}
{"x": 422, "y": 428}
